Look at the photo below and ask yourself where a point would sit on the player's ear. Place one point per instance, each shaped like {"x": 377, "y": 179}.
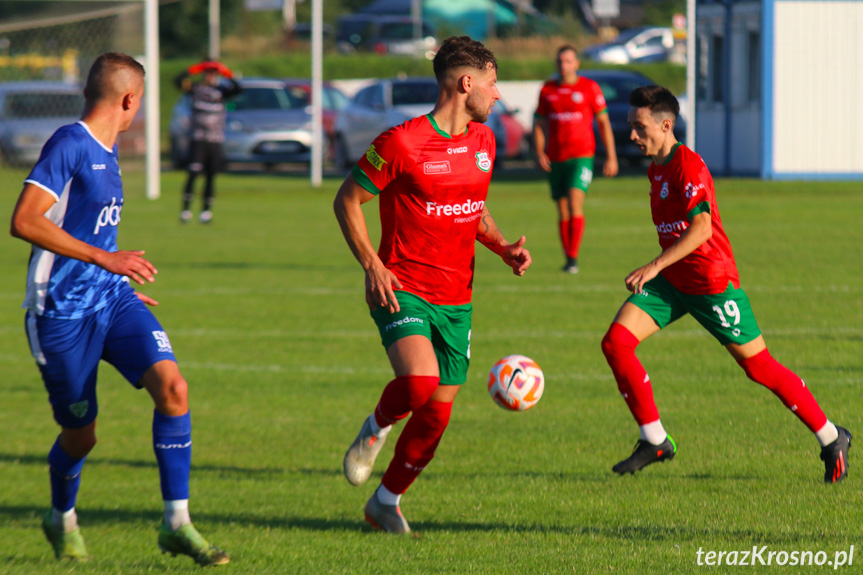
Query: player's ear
{"x": 465, "y": 82}
{"x": 127, "y": 101}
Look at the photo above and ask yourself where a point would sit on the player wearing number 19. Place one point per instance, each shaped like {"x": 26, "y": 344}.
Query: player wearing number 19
{"x": 81, "y": 309}
{"x": 696, "y": 274}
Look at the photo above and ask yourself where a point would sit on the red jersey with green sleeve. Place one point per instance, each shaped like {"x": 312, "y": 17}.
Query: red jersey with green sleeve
{"x": 680, "y": 189}
{"x": 570, "y": 109}
{"x": 432, "y": 189}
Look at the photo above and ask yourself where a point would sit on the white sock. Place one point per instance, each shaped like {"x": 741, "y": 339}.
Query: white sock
{"x": 387, "y": 497}
{"x": 653, "y": 432}
{"x": 65, "y": 520}
{"x": 380, "y": 432}
{"x": 827, "y": 434}
{"x": 177, "y": 513}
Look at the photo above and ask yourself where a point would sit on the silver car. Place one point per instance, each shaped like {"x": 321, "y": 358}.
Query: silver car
{"x": 269, "y": 122}
{"x": 30, "y": 112}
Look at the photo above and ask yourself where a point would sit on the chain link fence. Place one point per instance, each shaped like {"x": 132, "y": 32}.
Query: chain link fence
{"x": 46, "y": 50}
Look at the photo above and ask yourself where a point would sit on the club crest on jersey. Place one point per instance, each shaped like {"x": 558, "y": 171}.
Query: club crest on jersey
{"x": 663, "y": 193}
{"x": 577, "y": 97}
{"x": 374, "y": 158}
{"x": 483, "y": 162}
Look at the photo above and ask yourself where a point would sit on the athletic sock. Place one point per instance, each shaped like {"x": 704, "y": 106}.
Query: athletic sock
{"x": 403, "y": 395}
{"x": 67, "y": 521}
{"x": 787, "y": 386}
{"x": 653, "y": 432}
{"x": 416, "y": 445}
{"x": 619, "y": 345}
{"x": 576, "y": 230}
{"x": 65, "y": 473}
{"x": 563, "y": 226}
{"x": 377, "y": 430}
{"x": 177, "y": 514}
{"x": 827, "y": 434}
{"x": 172, "y": 443}
{"x": 387, "y": 497}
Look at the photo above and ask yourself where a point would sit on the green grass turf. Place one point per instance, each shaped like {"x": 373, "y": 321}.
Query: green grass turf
{"x": 266, "y": 314}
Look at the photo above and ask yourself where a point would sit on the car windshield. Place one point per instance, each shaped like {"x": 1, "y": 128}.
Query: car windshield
{"x": 42, "y": 105}
{"x": 411, "y": 93}
{"x": 628, "y": 35}
{"x": 255, "y": 98}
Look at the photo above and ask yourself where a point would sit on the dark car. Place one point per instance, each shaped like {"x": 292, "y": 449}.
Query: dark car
{"x": 269, "y": 122}
{"x": 386, "y": 103}
{"x": 30, "y": 112}
{"x": 616, "y": 86}
{"x": 384, "y": 35}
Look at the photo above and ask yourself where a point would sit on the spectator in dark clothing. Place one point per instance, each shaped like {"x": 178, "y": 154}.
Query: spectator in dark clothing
{"x": 207, "y": 129}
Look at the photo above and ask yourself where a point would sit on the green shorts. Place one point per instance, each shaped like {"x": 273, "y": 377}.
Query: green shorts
{"x": 446, "y": 326}
{"x": 575, "y": 173}
{"x": 727, "y": 316}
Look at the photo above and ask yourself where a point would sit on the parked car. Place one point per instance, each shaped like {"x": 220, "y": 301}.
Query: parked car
{"x": 269, "y": 122}
{"x": 30, "y": 112}
{"x": 510, "y": 135}
{"x": 644, "y": 44}
{"x": 384, "y": 35}
{"x": 387, "y": 103}
{"x": 616, "y": 86}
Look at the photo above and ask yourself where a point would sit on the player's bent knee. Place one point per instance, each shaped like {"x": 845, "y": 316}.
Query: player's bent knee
{"x": 618, "y": 341}
{"x": 78, "y": 443}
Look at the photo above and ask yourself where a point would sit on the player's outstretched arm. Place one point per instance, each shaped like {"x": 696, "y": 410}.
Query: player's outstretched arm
{"x": 610, "y": 169}
{"x": 514, "y": 255}
{"x": 699, "y": 231}
{"x": 380, "y": 281}
{"x": 30, "y": 224}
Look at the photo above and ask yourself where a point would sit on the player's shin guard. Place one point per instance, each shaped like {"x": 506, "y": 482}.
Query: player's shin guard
{"x": 787, "y": 386}
{"x": 172, "y": 442}
{"x": 619, "y": 345}
{"x": 65, "y": 473}
{"x": 564, "y": 226}
{"x": 417, "y": 444}
{"x": 403, "y": 395}
{"x": 576, "y": 231}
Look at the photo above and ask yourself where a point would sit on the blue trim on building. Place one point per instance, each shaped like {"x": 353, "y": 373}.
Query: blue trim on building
{"x": 767, "y": 63}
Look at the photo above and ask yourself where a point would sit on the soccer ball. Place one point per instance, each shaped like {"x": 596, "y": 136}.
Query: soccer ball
{"x": 516, "y": 383}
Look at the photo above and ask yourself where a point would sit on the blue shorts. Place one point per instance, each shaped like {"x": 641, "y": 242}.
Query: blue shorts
{"x": 124, "y": 333}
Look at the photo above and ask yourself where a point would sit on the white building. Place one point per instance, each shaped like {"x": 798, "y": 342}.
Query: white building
{"x": 778, "y": 88}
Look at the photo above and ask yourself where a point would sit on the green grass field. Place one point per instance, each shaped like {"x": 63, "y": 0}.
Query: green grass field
{"x": 266, "y": 315}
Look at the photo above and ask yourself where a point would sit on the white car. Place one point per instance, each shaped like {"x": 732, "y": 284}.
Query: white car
{"x": 646, "y": 44}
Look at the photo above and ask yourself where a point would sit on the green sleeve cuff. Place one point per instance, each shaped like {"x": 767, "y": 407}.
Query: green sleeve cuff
{"x": 538, "y": 115}
{"x": 603, "y": 111}
{"x": 699, "y": 209}
{"x": 363, "y": 180}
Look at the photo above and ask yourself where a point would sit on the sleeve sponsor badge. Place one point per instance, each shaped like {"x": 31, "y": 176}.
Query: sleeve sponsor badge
{"x": 374, "y": 158}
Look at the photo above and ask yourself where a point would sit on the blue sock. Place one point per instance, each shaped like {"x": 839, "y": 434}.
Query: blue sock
{"x": 172, "y": 442}
{"x": 65, "y": 477}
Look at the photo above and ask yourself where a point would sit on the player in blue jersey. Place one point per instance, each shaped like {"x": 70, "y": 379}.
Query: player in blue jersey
{"x": 81, "y": 308}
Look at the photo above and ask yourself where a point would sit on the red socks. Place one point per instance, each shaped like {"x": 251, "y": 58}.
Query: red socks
{"x": 619, "y": 345}
{"x": 571, "y": 231}
{"x": 403, "y": 395}
{"x": 787, "y": 386}
{"x": 576, "y": 230}
{"x": 563, "y": 227}
{"x": 416, "y": 445}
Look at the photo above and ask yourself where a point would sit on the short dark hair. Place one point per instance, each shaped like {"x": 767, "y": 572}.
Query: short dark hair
{"x": 658, "y": 99}
{"x": 459, "y": 52}
{"x": 567, "y": 48}
{"x": 100, "y": 78}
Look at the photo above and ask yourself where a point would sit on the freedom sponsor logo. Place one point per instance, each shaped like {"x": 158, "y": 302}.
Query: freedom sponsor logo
{"x": 672, "y": 228}
{"x": 109, "y": 216}
{"x": 441, "y": 167}
{"x": 403, "y": 321}
{"x": 465, "y": 208}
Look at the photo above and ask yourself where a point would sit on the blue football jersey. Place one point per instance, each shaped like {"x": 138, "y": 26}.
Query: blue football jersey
{"x": 84, "y": 177}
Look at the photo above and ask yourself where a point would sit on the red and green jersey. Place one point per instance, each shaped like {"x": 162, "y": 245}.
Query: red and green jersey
{"x": 680, "y": 189}
{"x": 432, "y": 189}
{"x": 570, "y": 109}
